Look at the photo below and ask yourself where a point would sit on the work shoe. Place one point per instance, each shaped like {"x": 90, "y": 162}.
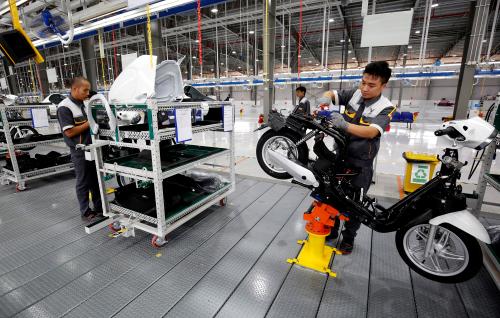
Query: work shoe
{"x": 332, "y": 237}
{"x": 346, "y": 246}
{"x": 90, "y": 215}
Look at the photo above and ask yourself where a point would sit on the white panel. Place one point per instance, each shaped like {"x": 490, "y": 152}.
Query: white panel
{"x": 135, "y": 83}
{"x": 52, "y": 75}
{"x": 127, "y": 59}
{"x": 386, "y": 29}
{"x": 3, "y": 83}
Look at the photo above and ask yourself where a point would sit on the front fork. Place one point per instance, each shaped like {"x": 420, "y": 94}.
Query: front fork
{"x": 430, "y": 240}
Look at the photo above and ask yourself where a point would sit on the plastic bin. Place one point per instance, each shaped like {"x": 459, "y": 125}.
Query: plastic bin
{"x": 419, "y": 169}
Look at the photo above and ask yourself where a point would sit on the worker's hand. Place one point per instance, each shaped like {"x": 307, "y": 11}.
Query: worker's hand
{"x": 337, "y": 121}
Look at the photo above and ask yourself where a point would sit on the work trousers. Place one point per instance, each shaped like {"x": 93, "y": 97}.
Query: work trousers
{"x": 86, "y": 181}
{"x": 351, "y": 227}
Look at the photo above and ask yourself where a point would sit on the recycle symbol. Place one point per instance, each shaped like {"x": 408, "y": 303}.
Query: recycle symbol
{"x": 421, "y": 174}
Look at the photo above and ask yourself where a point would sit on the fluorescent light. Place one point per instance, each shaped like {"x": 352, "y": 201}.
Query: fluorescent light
{"x": 214, "y": 10}
{"x": 196, "y": 41}
{"x": 434, "y": 5}
{"x": 251, "y": 32}
{"x": 484, "y": 41}
{"x": 125, "y": 16}
{"x": 331, "y": 20}
{"x": 349, "y": 52}
{"x": 410, "y": 47}
{"x": 234, "y": 52}
{"x": 310, "y": 61}
{"x": 417, "y": 32}
{"x": 283, "y": 46}
{"x": 342, "y": 41}
{"x": 317, "y": 64}
{"x": 6, "y": 7}
{"x": 353, "y": 58}
{"x": 194, "y": 57}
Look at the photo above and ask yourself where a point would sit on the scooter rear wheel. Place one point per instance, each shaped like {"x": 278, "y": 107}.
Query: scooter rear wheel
{"x": 279, "y": 141}
{"x": 455, "y": 256}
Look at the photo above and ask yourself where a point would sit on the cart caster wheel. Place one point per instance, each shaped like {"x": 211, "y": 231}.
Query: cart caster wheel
{"x": 20, "y": 188}
{"x": 114, "y": 227}
{"x": 158, "y": 242}
{"x": 223, "y": 202}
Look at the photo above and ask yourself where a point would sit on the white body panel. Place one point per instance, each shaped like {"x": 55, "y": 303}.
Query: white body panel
{"x": 298, "y": 172}
{"x": 465, "y": 221}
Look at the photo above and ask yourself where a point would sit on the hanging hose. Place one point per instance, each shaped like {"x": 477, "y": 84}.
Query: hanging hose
{"x": 150, "y": 42}
{"x": 68, "y": 37}
{"x": 300, "y": 40}
{"x": 200, "y": 48}
{"x": 114, "y": 56}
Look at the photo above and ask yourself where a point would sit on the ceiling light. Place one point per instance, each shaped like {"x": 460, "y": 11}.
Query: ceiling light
{"x": 251, "y": 32}
{"x": 212, "y": 69}
{"x": 434, "y": 5}
{"x": 331, "y": 20}
{"x": 110, "y": 68}
{"x": 317, "y": 64}
{"x": 404, "y": 54}
{"x": 310, "y": 61}
{"x": 454, "y": 55}
{"x": 417, "y": 32}
{"x": 342, "y": 41}
{"x": 282, "y": 46}
{"x": 300, "y": 56}
{"x": 234, "y": 52}
{"x": 196, "y": 41}
{"x": 353, "y": 58}
{"x": 239, "y": 67}
{"x": 221, "y": 63}
{"x": 118, "y": 54}
{"x": 65, "y": 64}
{"x": 410, "y": 47}
{"x": 349, "y": 52}
{"x": 484, "y": 41}
{"x": 194, "y": 57}
{"x": 214, "y": 10}
{"x": 66, "y": 46}
{"x": 256, "y": 60}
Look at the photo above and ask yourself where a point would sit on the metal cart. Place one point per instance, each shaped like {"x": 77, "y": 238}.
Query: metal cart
{"x": 124, "y": 221}
{"x": 14, "y": 174}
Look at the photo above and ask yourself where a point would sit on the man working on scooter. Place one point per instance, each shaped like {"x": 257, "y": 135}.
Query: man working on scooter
{"x": 366, "y": 113}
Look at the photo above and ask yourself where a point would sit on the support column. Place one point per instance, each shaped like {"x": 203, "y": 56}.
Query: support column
{"x": 429, "y": 90}
{"x": 405, "y": 55}
{"x": 89, "y": 60}
{"x": 44, "y": 81}
{"x": 269, "y": 52}
{"x": 11, "y": 78}
{"x": 468, "y": 67}
{"x": 156, "y": 39}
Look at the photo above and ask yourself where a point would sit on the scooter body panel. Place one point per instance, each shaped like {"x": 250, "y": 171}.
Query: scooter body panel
{"x": 465, "y": 221}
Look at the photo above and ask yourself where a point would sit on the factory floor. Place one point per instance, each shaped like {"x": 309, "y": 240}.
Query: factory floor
{"x": 227, "y": 262}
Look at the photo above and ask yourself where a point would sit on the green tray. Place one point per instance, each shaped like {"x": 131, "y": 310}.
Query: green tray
{"x": 171, "y": 157}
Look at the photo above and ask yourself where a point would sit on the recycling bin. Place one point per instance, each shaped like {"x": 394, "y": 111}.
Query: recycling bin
{"x": 419, "y": 169}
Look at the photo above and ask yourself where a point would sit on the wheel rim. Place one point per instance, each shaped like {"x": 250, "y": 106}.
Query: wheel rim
{"x": 278, "y": 144}
{"x": 449, "y": 255}
{"x": 21, "y": 133}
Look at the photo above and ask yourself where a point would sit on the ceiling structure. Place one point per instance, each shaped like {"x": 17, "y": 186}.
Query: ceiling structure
{"x": 234, "y": 34}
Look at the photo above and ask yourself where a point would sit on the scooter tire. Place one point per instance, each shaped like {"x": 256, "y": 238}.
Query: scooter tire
{"x": 303, "y": 152}
{"x": 475, "y": 257}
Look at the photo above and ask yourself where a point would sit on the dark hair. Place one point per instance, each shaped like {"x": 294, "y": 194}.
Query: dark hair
{"x": 301, "y": 89}
{"x": 75, "y": 81}
{"x": 379, "y": 69}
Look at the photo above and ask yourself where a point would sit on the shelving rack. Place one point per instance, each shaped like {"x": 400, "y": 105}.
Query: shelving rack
{"x": 491, "y": 261}
{"x": 124, "y": 220}
{"x": 15, "y": 175}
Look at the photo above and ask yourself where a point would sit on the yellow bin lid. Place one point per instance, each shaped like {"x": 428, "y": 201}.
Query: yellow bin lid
{"x": 413, "y": 156}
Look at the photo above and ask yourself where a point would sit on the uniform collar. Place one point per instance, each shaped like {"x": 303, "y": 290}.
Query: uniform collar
{"x": 75, "y": 101}
{"x": 370, "y": 102}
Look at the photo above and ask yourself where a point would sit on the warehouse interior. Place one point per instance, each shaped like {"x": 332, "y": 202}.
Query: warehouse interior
{"x": 156, "y": 159}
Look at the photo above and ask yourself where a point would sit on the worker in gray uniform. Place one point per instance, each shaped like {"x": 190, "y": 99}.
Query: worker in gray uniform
{"x": 303, "y": 107}
{"x": 364, "y": 115}
{"x": 75, "y": 127}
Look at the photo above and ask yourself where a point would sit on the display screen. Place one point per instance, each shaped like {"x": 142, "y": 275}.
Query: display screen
{"x": 15, "y": 47}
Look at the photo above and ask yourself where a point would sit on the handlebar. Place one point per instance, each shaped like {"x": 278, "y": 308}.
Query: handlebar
{"x": 446, "y": 131}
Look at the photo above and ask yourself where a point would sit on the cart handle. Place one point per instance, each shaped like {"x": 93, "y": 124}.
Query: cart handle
{"x": 112, "y": 119}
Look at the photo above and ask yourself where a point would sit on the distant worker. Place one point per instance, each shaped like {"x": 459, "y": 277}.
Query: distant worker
{"x": 303, "y": 105}
{"x": 75, "y": 127}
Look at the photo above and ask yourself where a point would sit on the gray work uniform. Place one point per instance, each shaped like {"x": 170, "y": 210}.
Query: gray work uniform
{"x": 304, "y": 107}
{"x": 361, "y": 152}
{"x": 71, "y": 113}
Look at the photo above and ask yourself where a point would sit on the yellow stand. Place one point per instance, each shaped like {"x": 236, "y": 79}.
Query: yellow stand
{"x": 315, "y": 254}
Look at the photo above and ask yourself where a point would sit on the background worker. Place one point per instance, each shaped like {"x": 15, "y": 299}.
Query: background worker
{"x": 75, "y": 127}
{"x": 303, "y": 106}
{"x": 367, "y": 114}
